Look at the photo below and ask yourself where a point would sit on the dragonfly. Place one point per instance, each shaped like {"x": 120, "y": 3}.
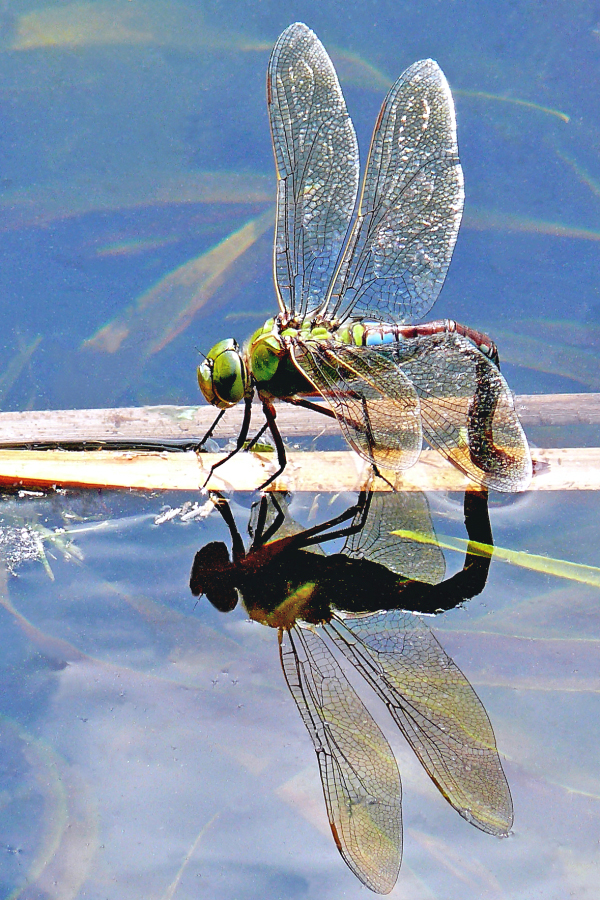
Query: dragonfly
{"x": 357, "y": 600}
{"x": 347, "y": 283}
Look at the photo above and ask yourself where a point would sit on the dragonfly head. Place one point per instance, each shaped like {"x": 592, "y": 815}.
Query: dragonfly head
{"x": 223, "y": 376}
{"x": 213, "y": 575}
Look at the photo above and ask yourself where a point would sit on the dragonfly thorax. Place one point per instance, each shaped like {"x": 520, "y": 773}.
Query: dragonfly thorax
{"x": 265, "y": 350}
{"x": 269, "y": 354}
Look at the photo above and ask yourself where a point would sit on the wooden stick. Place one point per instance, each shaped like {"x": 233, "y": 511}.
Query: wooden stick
{"x": 163, "y": 423}
{"x": 569, "y": 469}
{"x": 556, "y": 470}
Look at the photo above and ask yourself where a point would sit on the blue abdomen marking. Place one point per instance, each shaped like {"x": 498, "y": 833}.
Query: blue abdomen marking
{"x": 374, "y": 338}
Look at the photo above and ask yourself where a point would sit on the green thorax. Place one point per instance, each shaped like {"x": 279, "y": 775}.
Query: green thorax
{"x": 268, "y": 356}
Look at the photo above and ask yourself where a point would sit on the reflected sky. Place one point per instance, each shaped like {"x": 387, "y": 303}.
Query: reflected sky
{"x": 153, "y": 740}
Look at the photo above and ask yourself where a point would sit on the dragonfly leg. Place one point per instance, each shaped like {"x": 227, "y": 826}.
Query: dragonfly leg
{"x": 371, "y": 440}
{"x": 270, "y": 414}
{"x": 208, "y": 434}
{"x": 237, "y": 544}
{"x": 365, "y": 421}
{"x": 241, "y": 440}
{"x": 383, "y": 478}
{"x": 257, "y": 436}
{"x": 325, "y": 411}
{"x": 315, "y": 407}
{"x": 257, "y": 537}
{"x": 358, "y": 512}
{"x": 274, "y": 527}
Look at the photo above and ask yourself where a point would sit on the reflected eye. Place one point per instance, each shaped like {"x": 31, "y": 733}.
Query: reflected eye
{"x": 225, "y": 601}
{"x": 211, "y": 575}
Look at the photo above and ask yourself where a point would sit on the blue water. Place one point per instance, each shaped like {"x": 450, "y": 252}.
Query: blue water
{"x": 135, "y": 139}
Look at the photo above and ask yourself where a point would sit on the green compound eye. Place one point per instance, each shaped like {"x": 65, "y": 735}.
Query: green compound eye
{"x": 223, "y": 377}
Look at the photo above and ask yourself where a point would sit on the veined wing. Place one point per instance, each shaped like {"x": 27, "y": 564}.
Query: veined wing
{"x": 316, "y": 155}
{"x": 361, "y": 782}
{"x": 467, "y": 409}
{"x": 436, "y": 709}
{"x": 374, "y": 402}
{"x": 376, "y": 541}
{"x": 410, "y": 208}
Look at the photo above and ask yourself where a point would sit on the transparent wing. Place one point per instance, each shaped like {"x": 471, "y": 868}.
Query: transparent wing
{"x": 411, "y": 205}
{"x": 374, "y": 402}
{"x": 467, "y": 409}
{"x": 375, "y": 541}
{"x": 316, "y": 155}
{"x": 360, "y": 777}
{"x": 436, "y": 709}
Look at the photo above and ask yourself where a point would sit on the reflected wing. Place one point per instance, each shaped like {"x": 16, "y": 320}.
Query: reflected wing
{"x": 411, "y": 205}
{"x": 360, "y": 777}
{"x": 316, "y": 155}
{"x": 375, "y": 541}
{"x": 436, "y": 709}
{"x": 467, "y": 409}
{"x": 374, "y": 402}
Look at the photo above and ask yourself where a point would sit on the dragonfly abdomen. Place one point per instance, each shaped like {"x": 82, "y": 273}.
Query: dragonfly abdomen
{"x": 375, "y": 335}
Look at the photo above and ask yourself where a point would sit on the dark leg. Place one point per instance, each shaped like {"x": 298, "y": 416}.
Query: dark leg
{"x": 371, "y": 440}
{"x": 358, "y": 512}
{"x": 237, "y": 544}
{"x": 263, "y": 537}
{"x": 208, "y": 434}
{"x": 240, "y": 441}
{"x": 257, "y": 436}
{"x": 315, "y": 534}
{"x": 270, "y": 414}
{"x": 315, "y": 407}
{"x": 383, "y": 478}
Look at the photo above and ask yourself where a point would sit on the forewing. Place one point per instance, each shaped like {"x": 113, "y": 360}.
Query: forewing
{"x": 467, "y": 409}
{"x": 436, "y": 709}
{"x": 374, "y": 402}
{"x": 316, "y": 155}
{"x": 416, "y": 560}
{"x": 410, "y": 208}
{"x": 360, "y": 777}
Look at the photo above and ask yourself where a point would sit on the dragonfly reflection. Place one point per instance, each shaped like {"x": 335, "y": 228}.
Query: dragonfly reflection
{"x": 358, "y": 599}
{"x": 345, "y": 290}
